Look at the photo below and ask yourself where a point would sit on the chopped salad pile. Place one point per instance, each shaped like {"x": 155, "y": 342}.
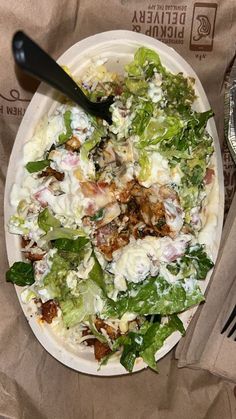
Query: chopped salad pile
{"x": 109, "y": 215}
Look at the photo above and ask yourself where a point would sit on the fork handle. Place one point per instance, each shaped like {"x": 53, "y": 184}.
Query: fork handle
{"x": 36, "y": 62}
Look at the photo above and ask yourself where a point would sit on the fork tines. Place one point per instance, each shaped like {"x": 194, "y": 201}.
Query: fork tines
{"x": 228, "y": 323}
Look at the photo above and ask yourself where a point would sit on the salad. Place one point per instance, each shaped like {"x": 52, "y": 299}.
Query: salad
{"x": 110, "y": 216}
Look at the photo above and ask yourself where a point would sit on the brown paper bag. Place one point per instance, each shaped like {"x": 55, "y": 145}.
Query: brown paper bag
{"x": 32, "y": 383}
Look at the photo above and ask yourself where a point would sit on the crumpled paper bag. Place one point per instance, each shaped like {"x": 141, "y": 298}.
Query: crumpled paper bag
{"x": 204, "y": 346}
{"x": 32, "y": 383}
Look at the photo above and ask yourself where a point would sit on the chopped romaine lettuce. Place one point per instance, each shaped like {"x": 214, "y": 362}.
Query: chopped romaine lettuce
{"x": 69, "y": 245}
{"x": 162, "y": 332}
{"x": 47, "y": 221}
{"x": 67, "y": 121}
{"x": 21, "y": 274}
{"x": 96, "y": 274}
{"x": 145, "y": 62}
{"x": 55, "y": 280}
{"x": 195, "y": 263}
{"x": 156, "y": 296}
{"x": 145, "y": 166}
{"x": 63, "y": 233}
{"x": 76, "y": 309}
{"x": 37, "y": 166}
{"x": 146, "y": 342}
{"x": 143, "y": 113}
{"x": 160, "y": 129}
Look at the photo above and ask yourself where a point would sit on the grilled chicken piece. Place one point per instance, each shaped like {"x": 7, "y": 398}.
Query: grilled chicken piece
{"x": 30, "y": 254}
{"x": 33, "y": 257}
{"x": 100, "y": 350}
{"x": 49, "y": 310}
{"x": 100, "y": 324}
{"x": 125, "y": 194}
{"x": 108, "y": 239}
{"x": 73, "y": 144}
{"x": 100, "y": 194}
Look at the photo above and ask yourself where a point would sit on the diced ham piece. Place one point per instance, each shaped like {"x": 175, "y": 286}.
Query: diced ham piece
{"x": 71, "y": 159}
{"x": 173, "y": 249}
{"x": 42, "y": 196}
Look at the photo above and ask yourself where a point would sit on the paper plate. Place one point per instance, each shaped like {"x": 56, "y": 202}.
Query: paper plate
{"x": 118, "y": 47}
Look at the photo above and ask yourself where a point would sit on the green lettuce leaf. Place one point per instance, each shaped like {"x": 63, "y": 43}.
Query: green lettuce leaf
{"x": 195, "y": 263}
{"x": 146, "y": 342}
{"x": 65, "y": 136}
{"x": 55, "y": 280}
{"x": 37, "y": 166}
{"x": 136, "y": 87}
{"x": 47, "y": 221}
{"x": 77, "y": 309}
{"x": 72, "y": 251}
{"x": 145, "y": 166}
{"x": 21, "y": 274}
{"x": 144, "y": 63}
{"x": 99, "y": 132}
{"x": 69, "y": 245}
{"x": 88, "y": 145}
{"x": 96, "y": 274}
{"x": 63, "y": 233}
{"x": 143, "y": 113}
{"x": 160, "y": 129}
{"x": 162, "y": 332}
{"x": 156, "y": 296}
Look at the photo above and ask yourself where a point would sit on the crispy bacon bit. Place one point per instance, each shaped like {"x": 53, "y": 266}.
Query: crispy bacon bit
{"x": 73, "y": 144}
{"x": 49, "y": 171}
{"x": 100, "y": 350}
{"x": 210, "y": 173}
{"x": 49, "y": 310}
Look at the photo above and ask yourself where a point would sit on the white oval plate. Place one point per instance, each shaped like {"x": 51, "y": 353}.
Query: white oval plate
{"x": 118, "y": 47}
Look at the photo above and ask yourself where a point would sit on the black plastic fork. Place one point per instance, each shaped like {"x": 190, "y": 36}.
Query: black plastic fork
{"x": 230, "y": 322}
{"x": 36, "y": 62}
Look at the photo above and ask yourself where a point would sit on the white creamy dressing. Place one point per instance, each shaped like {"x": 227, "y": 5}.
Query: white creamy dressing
{"x": 121, "y": 120}
{"x": 46, "y": 133}
{"x": 80, "y": 124}
{"x": 137, "y": 260}
{"x": 154, "y": 88}
{"x": 174, "y": 215}
{"x": 207, "y": 233}
{"x": 160, "y": 171}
